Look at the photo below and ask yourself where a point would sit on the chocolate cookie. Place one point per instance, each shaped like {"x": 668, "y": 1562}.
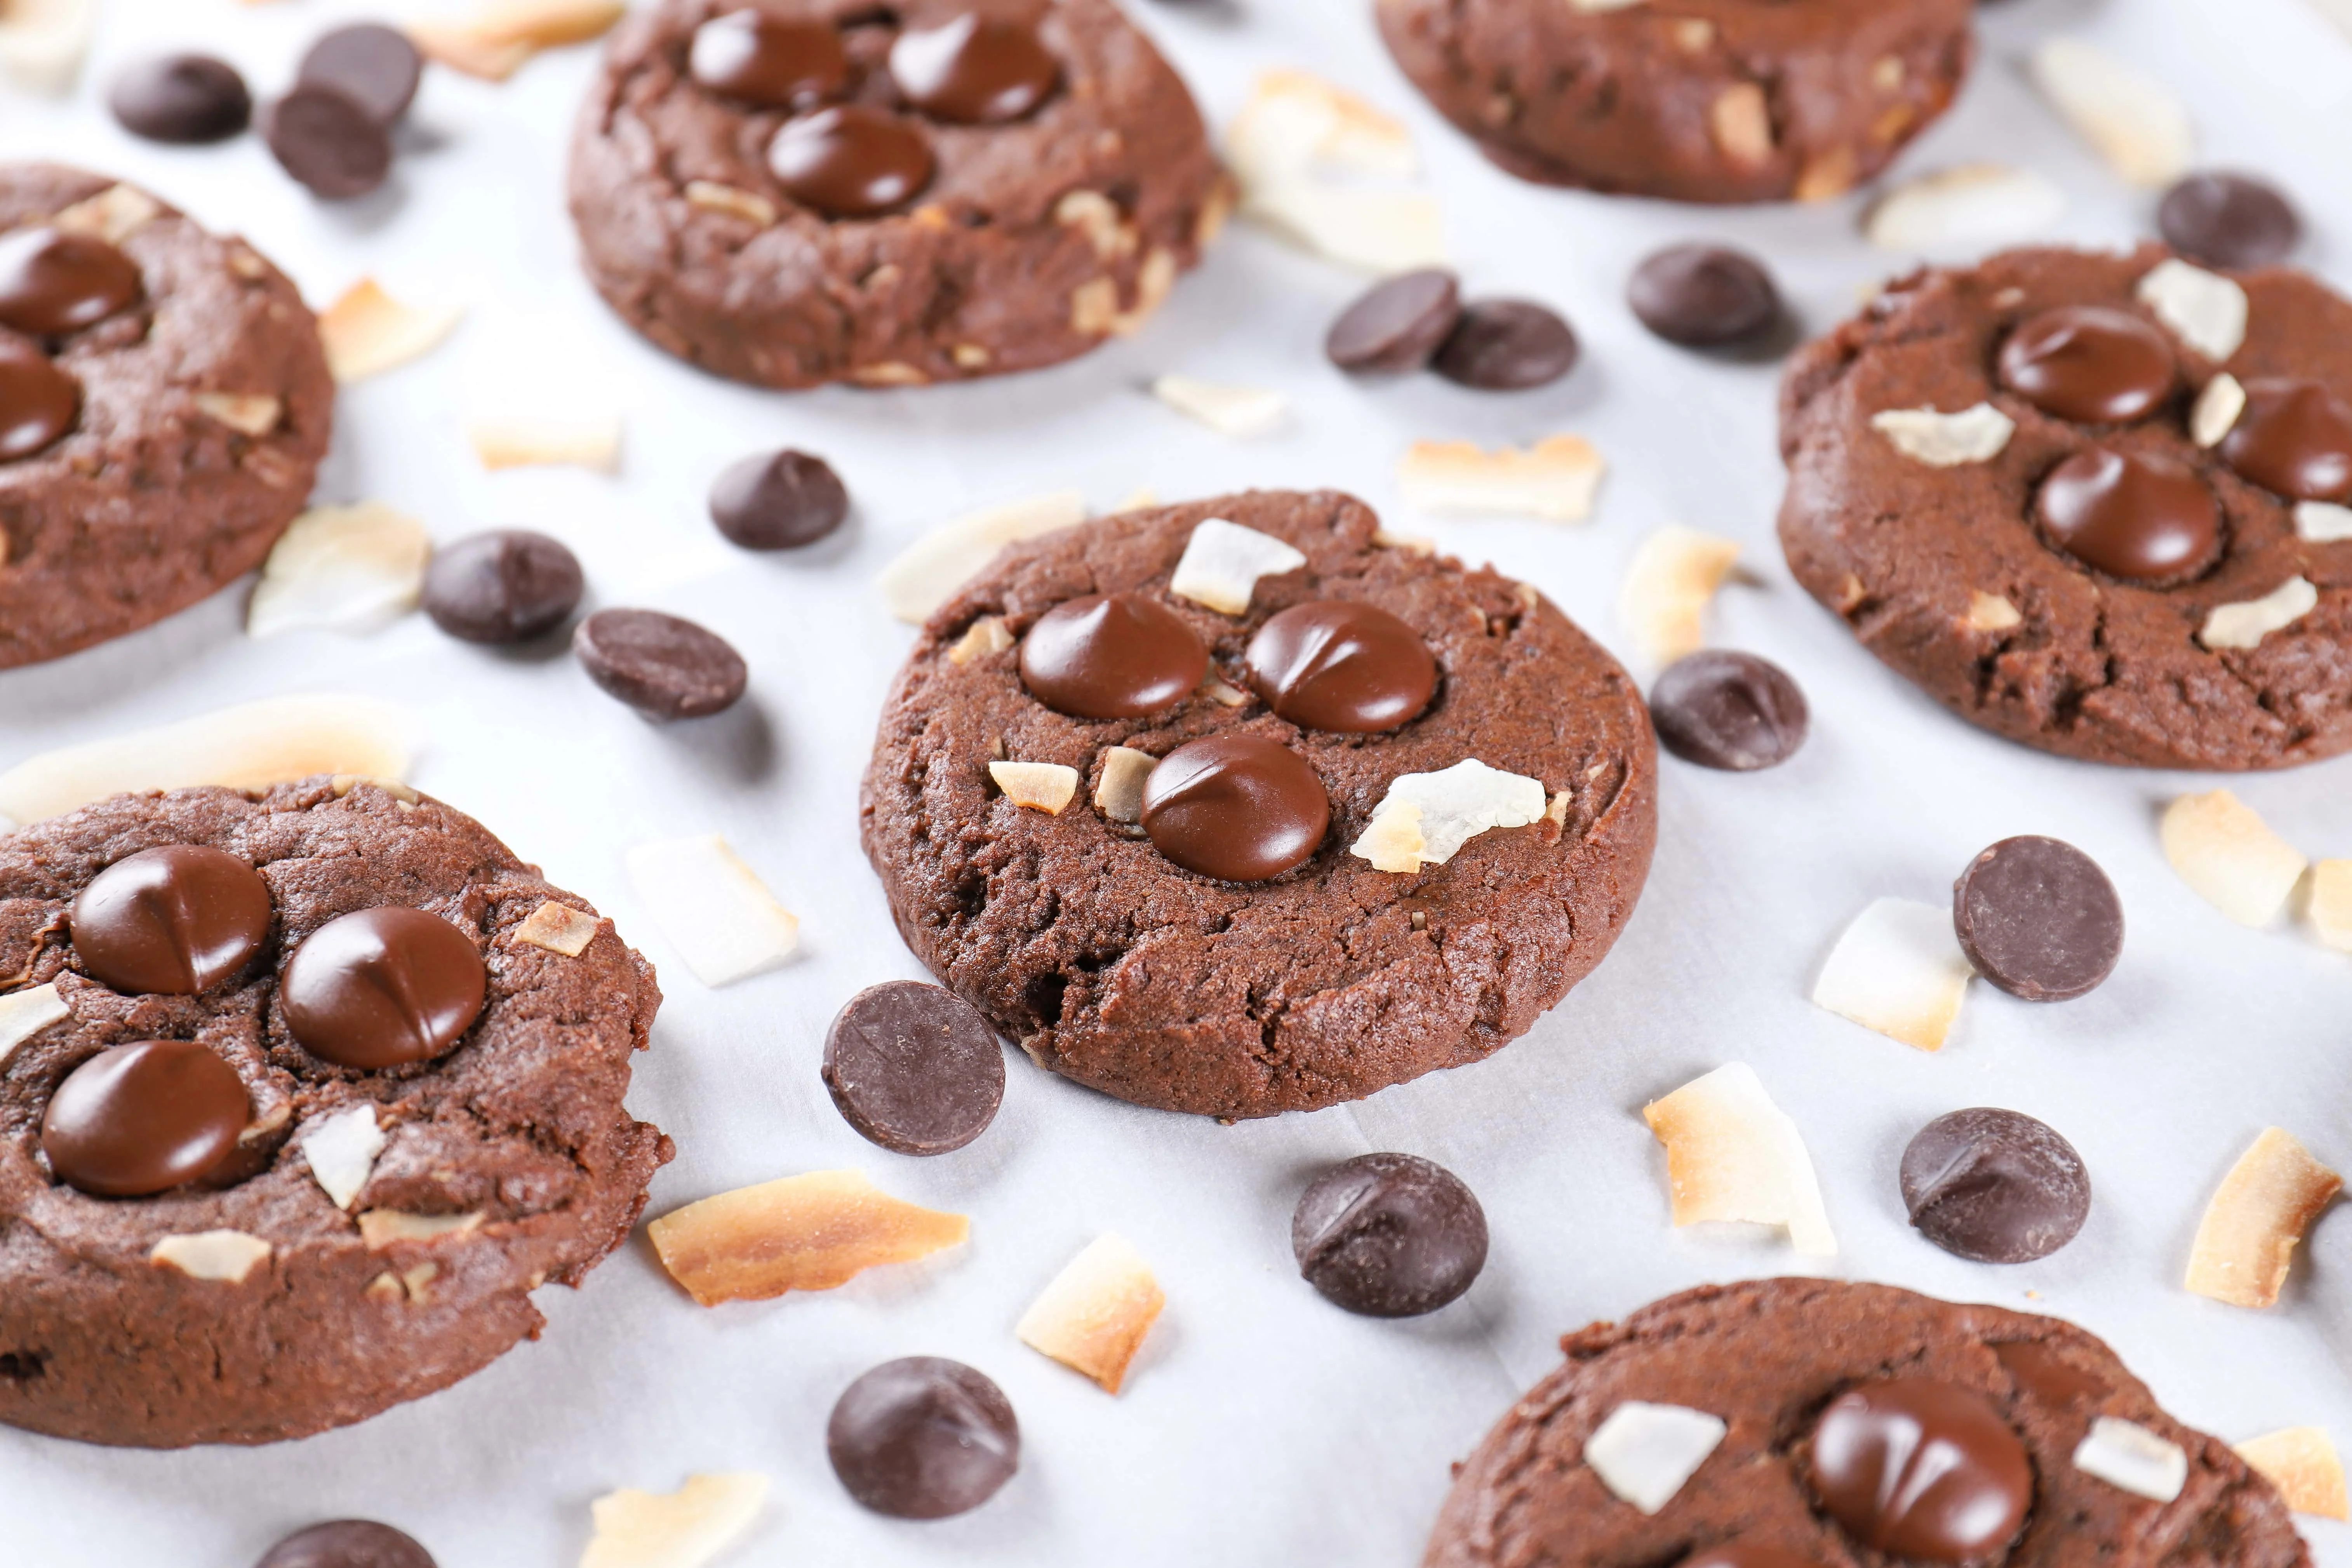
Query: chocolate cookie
{"x": 2132, "y": 548}
{"x": 1699, "y": 101}
{"x": 809, "y": 190}
{"x": 1201, "y": 927}
{"x": 1865, "y": 1425}
{"x": 163, "y": 406}
{"x": 319, "y": 1085}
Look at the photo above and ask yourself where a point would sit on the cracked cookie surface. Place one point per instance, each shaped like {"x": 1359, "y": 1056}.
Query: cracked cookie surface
{"x": 514, "y": 1146}
{"x": 1944, "y": 574}
{"x": 206, "y": 406}
{"x": 1766, "y": 1357}
{"x": 1035, "y": 239}
{"x": 1114, "y": 966}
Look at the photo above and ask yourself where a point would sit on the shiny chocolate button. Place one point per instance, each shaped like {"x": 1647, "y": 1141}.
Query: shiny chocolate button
{"x": 2138, "y": 516}
{"x": 383, "y": 987}
{"x": 1238, "y": 807}
{"x": 173, "y": 921}
{"x": 851, "y": 160}
{"x": 2089, "y": 362}
{"x": 974, "y": 70}
{"x": 1115, "y": 656}
{"x": 144, "y": 1119}
{"x": 1335, "y": 665}
{"x": 2293, "y": 438}
{"x": 38, "y": 402}
{"x": 772, "y": 62}
{"x": 52, "y": 283}
{"x": 1920, "y": 1468}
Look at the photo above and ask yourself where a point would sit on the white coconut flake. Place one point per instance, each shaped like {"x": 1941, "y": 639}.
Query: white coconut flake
{"x": 1975, "y": 435}
{"x": 1223, "y": 562}
{"x": 2245, "y": 625}
{"x": 44, "y": 42}
{"x": 1240, "y": 412}
{"x": 1425, "y": 819}
{"x": 1296, "y": 123}
{"x": 222, "y": 1256}
{"x": 1898, "y": 970}
{"x": 2322, "y": 521}
{"x": 1733, "y": 1155}
{"x": 1969, "y": 208}
{"x": 1556, "y": 479}
{"x": 1646, "y": 1453}
{"x": 2137, "y": 124}
{"x": 1668, "y": 585}
{"x": 927, "y": 573}
{"x": 2127, "y": 1455}
{"x": 348, "y": 569}
{"x": 342, "y": 1150}
{"x": 2217, "y": 410}
{"x": 2205, "y": 310}
{"x": 24, "y": 1014}
{"x": 1372, "y": 230}
{"x": 712, "y": 908}
{"x": 2230, "y": 856}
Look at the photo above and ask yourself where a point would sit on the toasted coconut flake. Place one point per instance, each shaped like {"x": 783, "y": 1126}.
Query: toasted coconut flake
{"x": 1646, "y": 1453}
{"x": 1240, "y": 412}
{"x": 1740, "y": 120}
{"x": 1732, "y": 1154}
{"x": 578, "y": 440}
{"x": 2302, "y": 1463}
{"x": 225, "y": 1257}
{"x": 712, "y": 908}
{"x": 1973, "y": 207}
{"x": 498, "y": 37}
{"x": 2331, "y": 913}
{"x": 24, "y": 1014}
{"x": 1975, "y": 435}
{"x": 2126, "y": 1455}
{"x": 2322, "y": 521}
{"x": 2246, "y": 1241}
{"x": 380, "y": 1228}
{"x": 342, "y": 1150}
{"x": 368, "y": 331}
{"x": 1899, "y": 970}
{"x": 1992, "y": 612}
{"x": 44, "y": 42}
{"x": 251, "y": 747}
{"x": 1296, "y": 124}
{"x": 1036, "y": 786}
{"x": 2205, "y": 310}
{"x": 984, "y": 636}
{"x": 689, "y": 1528}
{"x": 927, "y": 573}
{"x": 1223, "y": 562}
{"x": 117, "y": 213}
{"x": 749, "y": 205}
{"x": 1100, "y": 219}
{"x": 2137, "y": 124}
{"x": 254, "y": 414}
{"x": 458, "y": 48}
{"x": 2230, "y": 858}
{"x": 813, "y": 1232}
{"x": 1554, "y": 480}
{"x": 1119, "y": 793}
{"x": 1425, "y": 819}
{"x": 1224, "y": 693}
{"x": 1094, "y": 1315}
{"x": 1668, "y": 584}
{"x": 559, "y": 929}
{"x": 1372, "y": 230}
{"x": 2217, "y": 409}
{"x": 340, "y": 568}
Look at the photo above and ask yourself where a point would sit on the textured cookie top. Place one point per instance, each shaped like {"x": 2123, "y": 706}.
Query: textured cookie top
{"x": 1119, "y": 968}
{"x": 1949, "y": 574}
{"x": 516, "y": 1130}
{"x": 1769, "y": 1357}
{"x": 205, "y": 405}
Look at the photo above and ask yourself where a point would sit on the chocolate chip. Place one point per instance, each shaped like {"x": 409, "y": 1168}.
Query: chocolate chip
{"x": 1725, "y": 709}
{"x": 2229, "y": 220}
{"x": 1394, "y": 326}
{"x": 975, "y": 69}
{"x": 1336, "y": 664}
{"x": 2093, "y": 363}
{"x": 505, "y": 586}
{"x": 138, "y": 1120}
{"x": 1507, "y": 345}
{"x": 373, "y": 66}
{"x": 1747, "y": 1555}
{"x": 923, "y": 1438}
{"x": 1704, "y": 296}
{"x": 851, "y": 160}
{"x": 326, "y": 140}
{"x": 914, "y": 1069}
{"x": 38, "y": 402}
{"x": 1916, "y": 1467}
{"x": 1994, "y": 1186}
{"x": 778, "y": 501}
{"x": 173, "y": 920}
{"x": 2039, "y": 918}
{"x": 2293, "y": 437}
{"x": 1389, "y": 1236}
{"x": 2138, "y": 515}
{"x": 770, "y": 61}
{"x": 347, "y": 1544}
{"x": 1116, "y": 656}
{"x": 53, "y": 283}
{"x": 186, "y": 100}
{"x": 663, "y": 667}
{"x": 1239, "y": 807}
{"x": 383, "y": 987}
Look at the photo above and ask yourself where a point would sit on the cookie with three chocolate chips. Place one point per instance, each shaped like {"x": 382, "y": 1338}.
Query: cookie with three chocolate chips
{"x": 2100, "y": 503}
{"x": 1240, "y": 806}
{"x": 1698, "y": 101}
{"x": 796, "y": 192}
{"x": 1781, "y": 1423}
{"x": 163, "y": 406}
{"x": 303, "y": 1094}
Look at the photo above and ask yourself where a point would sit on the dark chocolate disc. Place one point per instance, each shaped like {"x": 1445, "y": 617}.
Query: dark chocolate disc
{"x": 1396, "y": 325}
{"x": 2295, "y": 438}
{"x": 1334, "y": 664}
{"x": 923, "y": 1438}
{"x": 2139, "y": 516}
{"x": 1704, "y": 296}
{"x": 977, "y": 70}
{"x": 39, "y": 403}
{"x": 509, "y": 586}
{"x": 347, "y": 1544}
{"x": 913, "y": 1067}
{"x": 2089, "y": 362}
{"x": 2229, "y": 220}
{"x": 374, "y": 66}
{"x": 774, "y": 62}
{"x": 663, "y": 666}
{"x": 383, "y": 987}
{"x": 1389, "y": 1236}
{"x": 851, "y": 160}
{"x": 53, "y": 283}
{"x": 2039, "y": 918}
{"x": 1994, "y": 1186}
{"x": 778, "y": 501}
{"x": 1116, "y": 656}
{"x": 1919, "y": 1468}
{"x": 171, "y": 920}
{"x": 1722, "y": 709}
{"x": 143, "y": 1119}
{"x": 1507, "y": 345}
{"x": 185, "y": 100}
{"x": 1239, "y": 807}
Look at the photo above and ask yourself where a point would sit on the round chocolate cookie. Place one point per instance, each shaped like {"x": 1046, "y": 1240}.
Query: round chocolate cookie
{"x": 325, "y": 987}
{"x": 1866, "y": 1424}
{"x": 163, "y": 406}
{"x": 828, "y": 190}
{"x": 1282, "y": 971}
{"x": 1699, "y": 101}
{"x": 2118, "y": 554}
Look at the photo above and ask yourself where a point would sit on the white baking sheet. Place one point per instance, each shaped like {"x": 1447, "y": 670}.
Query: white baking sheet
{"x": 1261, "y": 1427}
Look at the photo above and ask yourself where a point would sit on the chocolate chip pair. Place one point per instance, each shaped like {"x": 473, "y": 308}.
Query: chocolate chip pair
{"x": 1419, "y": 321}
{"x": 333, "y": 132}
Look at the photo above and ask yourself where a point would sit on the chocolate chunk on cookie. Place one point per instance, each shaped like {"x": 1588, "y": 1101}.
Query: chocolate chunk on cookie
{"x": 1814, "y": 1421}
{"x": 163, "y": 407}
{"x": 1395, "y": 812}
{"x": 246, "y": 1195}
{"x": 828, "y": 190}
{"x": 1704, "y": 101}
{"x": 2094, "y": 503}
